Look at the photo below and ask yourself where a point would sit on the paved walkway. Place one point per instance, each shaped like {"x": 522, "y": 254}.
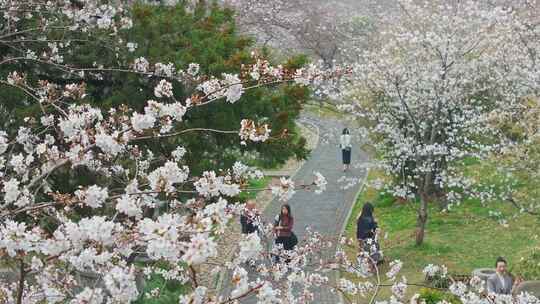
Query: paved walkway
{"x": 325, "y": 212}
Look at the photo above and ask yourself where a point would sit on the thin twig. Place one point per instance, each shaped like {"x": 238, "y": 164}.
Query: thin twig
{"x": 184, "y": 131}
{"x": 515, "y": 204}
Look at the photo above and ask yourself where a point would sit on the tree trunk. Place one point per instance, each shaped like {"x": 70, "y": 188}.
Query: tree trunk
{"x": 422, "y": 219}
{"x": 20, "y": 289}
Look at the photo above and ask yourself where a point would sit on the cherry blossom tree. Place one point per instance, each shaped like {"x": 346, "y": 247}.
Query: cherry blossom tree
{"x": 208, "y": 35}
{"x": 438, "y": 76}
{"x": 519, "y": 160}
{"x": 320, "y": 28}
{"x": 139, "y": 202}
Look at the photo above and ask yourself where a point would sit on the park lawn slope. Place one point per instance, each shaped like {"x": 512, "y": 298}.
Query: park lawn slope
{"x": 465, "y": 238}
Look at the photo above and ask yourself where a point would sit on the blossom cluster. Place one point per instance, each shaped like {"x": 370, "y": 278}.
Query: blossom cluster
{"x": 435, "y": 270}
{"x": 250, "y": 131}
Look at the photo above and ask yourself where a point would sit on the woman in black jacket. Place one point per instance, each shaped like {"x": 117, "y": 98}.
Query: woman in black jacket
{"x": 366, "y": 224}
{"x": 366, "y": 232}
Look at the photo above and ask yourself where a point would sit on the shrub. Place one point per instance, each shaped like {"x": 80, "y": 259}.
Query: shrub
{"x": 438, "y": 281}
{"x": 433, "y": 296}
{"x": 529, "y": 266}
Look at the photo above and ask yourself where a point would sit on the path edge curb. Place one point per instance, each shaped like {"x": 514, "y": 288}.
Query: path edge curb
{"x": 356, "y": 196}
{"x": 221, "y": 277}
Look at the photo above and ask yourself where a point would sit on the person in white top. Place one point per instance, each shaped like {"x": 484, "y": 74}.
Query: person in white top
{"x": 346, "y": 147}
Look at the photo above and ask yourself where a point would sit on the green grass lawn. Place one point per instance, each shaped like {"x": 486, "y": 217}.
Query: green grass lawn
{"x": 169, "y": 291}
{"x": 326, "y": 110}
{"x": 254, "y": 184}
{"x": 463, "y": 239}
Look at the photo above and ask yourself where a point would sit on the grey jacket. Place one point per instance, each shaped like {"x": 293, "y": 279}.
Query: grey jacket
{"x": 494, "y": 284}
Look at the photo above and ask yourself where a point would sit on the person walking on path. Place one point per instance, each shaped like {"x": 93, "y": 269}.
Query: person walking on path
{"x": 249, "y": 217}
{"x": 366, "y": 233}
{"x": 346, "y": 147}
{"x": 501, "y": 282}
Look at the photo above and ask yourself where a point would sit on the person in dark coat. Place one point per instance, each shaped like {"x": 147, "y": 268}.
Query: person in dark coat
{"x": 248, "y": 218}
{"x": 366, "y": 224}
{"x": 502, "y": 282}
{"x": 366, "y": 233}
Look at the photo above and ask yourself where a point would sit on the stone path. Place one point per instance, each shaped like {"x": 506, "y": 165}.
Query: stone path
{"x": 227, "y": 243}
{"x": 326, "y": 212}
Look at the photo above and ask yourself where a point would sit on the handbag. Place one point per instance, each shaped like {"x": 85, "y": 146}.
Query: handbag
{"x": 294, "y": 239}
